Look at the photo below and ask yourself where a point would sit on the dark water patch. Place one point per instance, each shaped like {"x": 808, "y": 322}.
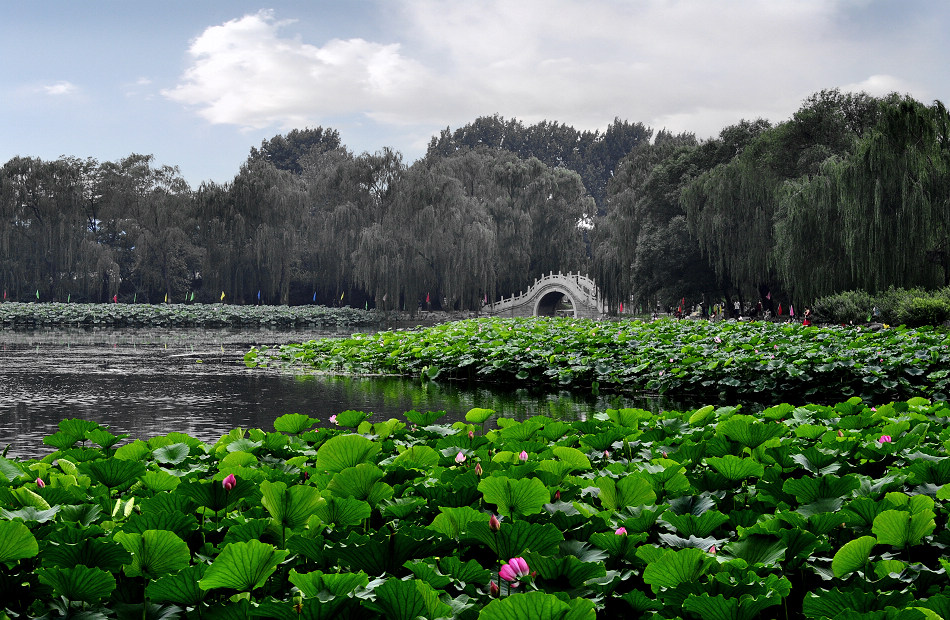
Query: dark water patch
{"x": 148, "y": 382}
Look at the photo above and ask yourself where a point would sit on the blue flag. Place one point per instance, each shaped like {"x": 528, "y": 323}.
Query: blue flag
{"x": 315, "y": 296}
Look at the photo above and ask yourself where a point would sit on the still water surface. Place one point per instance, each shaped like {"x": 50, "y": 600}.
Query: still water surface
{"x": 149, "y": 382}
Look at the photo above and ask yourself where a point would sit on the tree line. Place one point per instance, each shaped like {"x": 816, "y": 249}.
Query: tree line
{"x": 851, "y": 192}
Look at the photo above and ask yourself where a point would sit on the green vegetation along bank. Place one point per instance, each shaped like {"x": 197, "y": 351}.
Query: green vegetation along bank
{"x": 15, "y": 314}
{"x": 719, "y": 362}
{"x": 799, "y": 512}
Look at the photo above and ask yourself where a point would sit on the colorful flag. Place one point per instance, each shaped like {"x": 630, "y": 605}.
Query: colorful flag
{"x": 192, "y": 295}
{"x": 621, "y": 307}
{"x": 134, "y": 297}
{"x": 791, "y": 310}
{"x": 166, "y": 298}
{"x": 341, "y": 296}
{"x": 258, "y": 294}
{"x": 37, "y": 293}
{"x": 315, "y": 296}
{"x": 768, "y": 295}
{"x": 222, "y": 295}
{"x": 385, "y": 295}
{"x": 780, "y": 309}
{"x": 486, "y": 299}
{"x": 68, "y": 297}
{"x": 115, "y": 299}
{"x": 427, "y": 298}
{"x": 366, "y": 305}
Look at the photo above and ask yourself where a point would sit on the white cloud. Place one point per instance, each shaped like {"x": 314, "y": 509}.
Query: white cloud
{"x": 60, "y": 88}
{"x": 687, "y": 65}
{"x": 245, "y": 74}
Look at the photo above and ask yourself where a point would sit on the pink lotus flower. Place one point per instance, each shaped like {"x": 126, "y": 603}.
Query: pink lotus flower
{"x": 514, "y": 571}
{"x": 606, "y": 454}
{"x": 229, "y": 482}
{"x": 333, "y": 419}
{"x": 478, "y": 469}
{"x": 459, "y": 458}
{"x": 621, "y": 531}
{"x": 712, "y": 550}
{"x": 40, "y": 483}
{"x": 885, "y": 439}
{"x": 494, "y": 524}
{"x": 523, "y": 456}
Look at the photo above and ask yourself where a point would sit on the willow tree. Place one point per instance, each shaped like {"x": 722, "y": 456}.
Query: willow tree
{"x": 880, "y": 217}
{"x": 732, "y": 209}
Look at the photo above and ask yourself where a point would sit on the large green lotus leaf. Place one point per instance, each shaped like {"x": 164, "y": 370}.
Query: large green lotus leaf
{"x": 180, "y": 523}
{"x": 451, "y": 522}
{"x": 211, "y": 494}
{"x": 402, "y": 507}
{"x": 289, "y": 507}
{"x": 749, "y": 430}
{"x": 572, "y": 569}
{"x": 342, "y": 451}
{"x": 735, "y": 468}
{"x": 628, "y": 417}
{"x": 640, "y": 602}
{"x": 351, "y": 418}
{"x": 513, "y": 539}
{"x": 381, "y": 552}
{"x": 469, "y": 572}
{"x": 16, "y": 541}
{"x": 675, "y": 567}
{"x": 10, "y": 470}
{"x": 28, "y": 499}
{"x": 314, "y": 583}
{"x": 598, "y": 442}
{"x": 173, "y": 454}
{"x": 831, "y": 603}
{"x": 852, "y": 556}
{"x": 342, "y": 511}
{"x": 519, "y": 431}
{"x": 77, "y": 426}
{"x": 423, "y": 419}
{"x": 114, "y": 473}
{"x": 807, "y": 490}
{"x": 552, "y": 473}
{"x": 631, "y": 490}
{"x": 243, "y": 566}
{"x": 133, "y": 451}
{"x": 817, "y": 461}
{"x": 250, "y": 529}
{"x": 554, "y": 430}
{"x": 407, "y": 600}
{"x": 515, "y": 497}
{"x": 861, "y": 511}
{"x": 154, "y": 553}
{"x": 102, "y": 437}
{"x": 417, "y": 457}
{"x": 160, "y": 480}
{"x": 78, "y": 583}
{"x": 623, "y": 547}
{"x": 294, "y": 423}
{"x": 29, "y": 514}
{"x": 572, "y": 456}
{"x": 313, "y": 549}
{"x": 363, "y": 482}
{"x": 83, "y": 514}
{"x": 180, "y": 588}
{"x": 900, "y": 528}
{"x": 756, "y": 549}
{"x": 478, "y": 415}
{"x": 691, "y": 525}
{"x": 721, "y": 608}
{"x": 61, "y": 440}
{"x": 536, "y": 606}
{"x": 429, "y": 573}
{"x": 93, "y": 552}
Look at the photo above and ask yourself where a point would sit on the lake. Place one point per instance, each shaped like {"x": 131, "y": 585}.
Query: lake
{"x": 149, "y": 382}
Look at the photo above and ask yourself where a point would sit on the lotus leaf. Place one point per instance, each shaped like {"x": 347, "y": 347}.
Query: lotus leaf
{"x": 631, "y": 490}
{"x": 289, "y": 507}
{"x": 154, "y": 553}
{"x": 343, "y": 451}
{"x": 852, "y": 556}
{"x": 408, "y": 600}
{"x": 243, "y": 566}
{"x": 16, "y": 542}
{"x": 537, "y": 606}
{"x": 294, "y": 423}
{"x": 515, "y": 497}
{"x": 78, "y": 583}
{"x": 181, "y": 588}
{"x": 342, "y": 511}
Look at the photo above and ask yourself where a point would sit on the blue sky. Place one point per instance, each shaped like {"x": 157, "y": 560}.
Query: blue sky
{"x": 198, "y": 83}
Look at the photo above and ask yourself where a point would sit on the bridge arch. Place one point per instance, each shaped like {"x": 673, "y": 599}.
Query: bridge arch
{"x": 544, "y": 297}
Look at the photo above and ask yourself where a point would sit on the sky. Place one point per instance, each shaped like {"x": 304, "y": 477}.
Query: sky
{"x": 197, "y": 84}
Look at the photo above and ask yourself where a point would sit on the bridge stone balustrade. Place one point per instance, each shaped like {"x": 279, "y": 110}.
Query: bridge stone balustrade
{"x": 543, "y": 297}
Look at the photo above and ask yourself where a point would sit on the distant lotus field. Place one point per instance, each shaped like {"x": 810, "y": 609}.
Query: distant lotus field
{"x": 26, "y": 315}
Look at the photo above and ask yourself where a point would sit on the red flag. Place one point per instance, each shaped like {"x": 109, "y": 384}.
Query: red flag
{"x": 115, "y": 299}
{"x": 621, "y": 307}
{"x": 780, "y": 309}
{"x": 427, "y": 298}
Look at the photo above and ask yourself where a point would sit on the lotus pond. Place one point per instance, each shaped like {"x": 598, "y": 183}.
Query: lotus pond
{"x": 723, "y": 362}
{"x": 797, "y": 512}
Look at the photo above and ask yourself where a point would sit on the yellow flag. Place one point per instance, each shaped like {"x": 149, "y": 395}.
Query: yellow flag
{"x": 341, "y": 296}
{"x": 166, "y": 298}
{"x": 222, "y": 295}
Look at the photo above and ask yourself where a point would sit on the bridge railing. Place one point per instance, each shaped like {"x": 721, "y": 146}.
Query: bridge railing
{"x": 584, "y": 286}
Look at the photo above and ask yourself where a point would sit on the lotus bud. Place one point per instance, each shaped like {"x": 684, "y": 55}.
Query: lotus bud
{"x": 621, "y": 531}
{"x": 840, "y": 434}
{"x": 460, "y": 458}
{"x": 885, "y": 439}
{"x": 665, "y": 455}
{"x": 606, "y": 454}
{"x": 712, "y": 550}
{"x": 471, "y": 434}
{"x": 515, "y": 570}
{"x": 494, "y": 524}
{"x": 40, "y": 483}
{"x": 523, "y": 456}
{"x": 478, "y": 469}
{"x": 557, "y": 495}
{"x": 493, "y": 589}
{"x": 229, "y": 482}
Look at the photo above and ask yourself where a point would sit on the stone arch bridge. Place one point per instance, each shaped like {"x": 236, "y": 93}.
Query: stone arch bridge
{"x": 555, "y": 294}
